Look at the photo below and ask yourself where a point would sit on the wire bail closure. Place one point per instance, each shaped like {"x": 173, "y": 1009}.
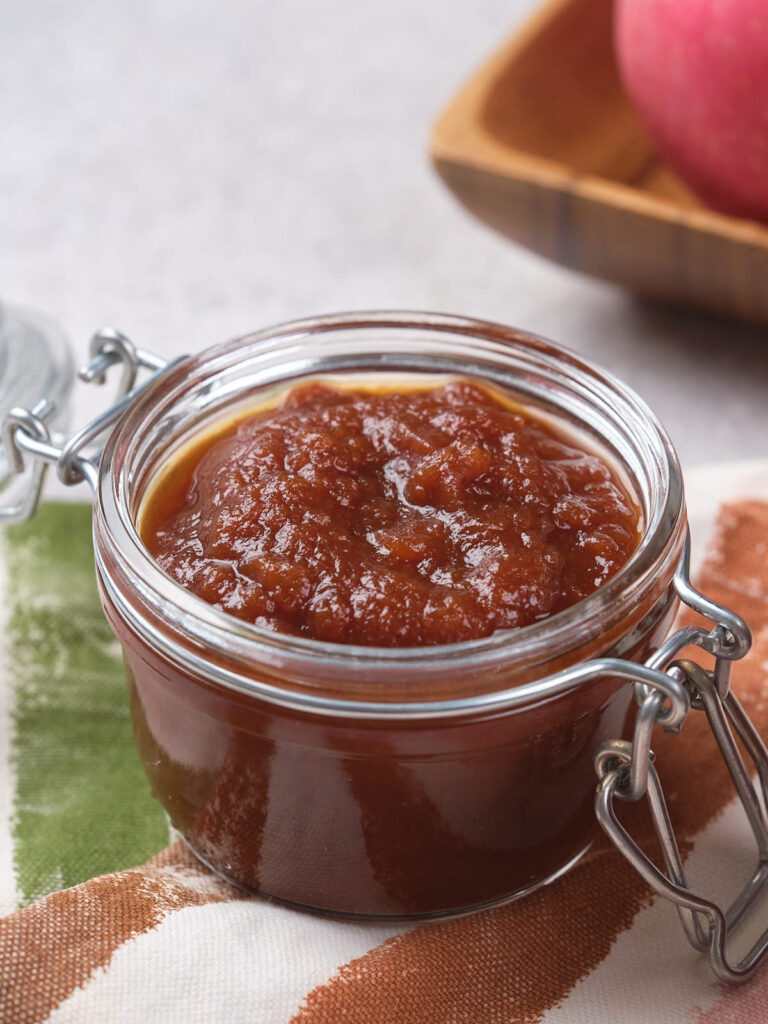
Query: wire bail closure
{"x": 666, "y": 688}
{"x": 627, "y": 772}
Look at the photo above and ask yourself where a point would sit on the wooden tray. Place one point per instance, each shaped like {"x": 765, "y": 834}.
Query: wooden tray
{"x": 543, "y": 145}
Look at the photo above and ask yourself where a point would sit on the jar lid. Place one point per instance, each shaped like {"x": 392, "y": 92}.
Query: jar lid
{"x": 35, "y": 363}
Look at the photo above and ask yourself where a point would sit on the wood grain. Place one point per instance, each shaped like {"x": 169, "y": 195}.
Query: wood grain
{"x": 543, "y": 145}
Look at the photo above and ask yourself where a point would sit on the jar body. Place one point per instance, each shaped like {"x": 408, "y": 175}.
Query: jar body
{"x": 368, "y": 782}
{"x": 370, "y": 818}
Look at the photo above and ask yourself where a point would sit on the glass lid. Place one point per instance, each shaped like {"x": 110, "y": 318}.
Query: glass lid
{"x": 35, "y": 363}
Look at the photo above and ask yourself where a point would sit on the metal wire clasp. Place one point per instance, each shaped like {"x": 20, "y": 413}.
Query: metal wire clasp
{"x": 31, "y": 446}
{"x": 627, "y": 772}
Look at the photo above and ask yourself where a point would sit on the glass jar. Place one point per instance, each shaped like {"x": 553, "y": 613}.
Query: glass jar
{"x": 365, "y": 781}
{"x": 407, "y": 782}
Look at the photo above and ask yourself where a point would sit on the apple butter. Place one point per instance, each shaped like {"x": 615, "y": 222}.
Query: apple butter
{"x": 390, "y": 518}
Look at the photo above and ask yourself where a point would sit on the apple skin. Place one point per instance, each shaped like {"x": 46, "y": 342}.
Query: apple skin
{"x": 697, "y": 72}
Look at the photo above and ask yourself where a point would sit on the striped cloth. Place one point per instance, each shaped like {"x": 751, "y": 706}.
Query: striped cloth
{"x": 90, "y": 937}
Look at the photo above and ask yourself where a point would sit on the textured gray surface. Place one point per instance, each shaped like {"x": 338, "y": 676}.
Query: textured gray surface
{"x": 191, "y": 170}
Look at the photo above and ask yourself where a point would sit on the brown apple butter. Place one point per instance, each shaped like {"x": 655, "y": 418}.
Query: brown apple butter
{"x": 390, "y": 518}
{"x": 400, "y": 517}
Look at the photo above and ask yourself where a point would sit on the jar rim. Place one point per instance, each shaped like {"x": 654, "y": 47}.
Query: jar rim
{"x": 117, "y": 540}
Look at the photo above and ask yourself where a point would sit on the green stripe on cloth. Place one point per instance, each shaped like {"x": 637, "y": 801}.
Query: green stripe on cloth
{"x": 82, "y": 805}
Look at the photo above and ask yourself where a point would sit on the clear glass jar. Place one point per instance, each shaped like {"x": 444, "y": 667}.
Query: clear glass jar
{"x": 366, "y": 781}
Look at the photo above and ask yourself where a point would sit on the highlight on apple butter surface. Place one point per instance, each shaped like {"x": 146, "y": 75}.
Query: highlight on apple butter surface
{"x": 390, "y": 518}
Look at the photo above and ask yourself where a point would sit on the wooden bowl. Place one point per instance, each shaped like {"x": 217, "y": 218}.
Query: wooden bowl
{"x": 543, "y": 145}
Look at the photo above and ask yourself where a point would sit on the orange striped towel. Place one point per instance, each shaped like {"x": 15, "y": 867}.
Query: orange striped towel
{"x": 168, "y": 942}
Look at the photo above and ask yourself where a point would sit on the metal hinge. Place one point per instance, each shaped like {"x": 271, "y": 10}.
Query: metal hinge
{"x": 32, "y": 446}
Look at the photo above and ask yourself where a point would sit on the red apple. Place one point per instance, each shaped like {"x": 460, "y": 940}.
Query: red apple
{"x": 697, "y": 71}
